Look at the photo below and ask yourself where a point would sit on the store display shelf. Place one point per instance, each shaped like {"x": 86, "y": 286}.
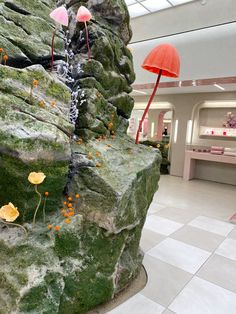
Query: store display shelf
{"x": 218, "y": 132}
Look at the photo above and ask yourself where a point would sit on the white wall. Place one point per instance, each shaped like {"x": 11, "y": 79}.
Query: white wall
{"x": 183, "y": 108}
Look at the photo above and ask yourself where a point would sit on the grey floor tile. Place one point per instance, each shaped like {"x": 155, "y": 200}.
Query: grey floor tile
{"x": 220, "y": 271}
{"x": 177, "y": 214}
{"x": 149, "y": 239}
{"x": 164, "y": 281}
{"x": 155, "y": 207}
{"x": 202, "y": 297}
{"x": 197, "y": 237}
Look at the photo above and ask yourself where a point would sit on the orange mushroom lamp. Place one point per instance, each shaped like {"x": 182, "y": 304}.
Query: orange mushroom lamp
{"x": 162, "y": 60}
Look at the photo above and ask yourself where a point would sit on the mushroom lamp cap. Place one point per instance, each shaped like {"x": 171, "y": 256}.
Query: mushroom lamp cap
{"x": 60, "y": 15}
{"x": 83, "y": 14}
{"x": 163, "y": 57}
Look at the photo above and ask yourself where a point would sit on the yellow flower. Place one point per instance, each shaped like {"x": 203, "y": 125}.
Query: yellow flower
{"x": 36, "y": 177}
{"x": 9, "y": 212}
{"x": 158, "y": 145}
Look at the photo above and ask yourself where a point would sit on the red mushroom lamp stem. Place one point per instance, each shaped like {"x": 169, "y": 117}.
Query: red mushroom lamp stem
{"x": 147, "y": 108}
{"x": 87, "y": 39}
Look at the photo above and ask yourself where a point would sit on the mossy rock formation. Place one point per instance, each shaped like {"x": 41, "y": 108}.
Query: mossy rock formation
{"x": 93, "y": 254}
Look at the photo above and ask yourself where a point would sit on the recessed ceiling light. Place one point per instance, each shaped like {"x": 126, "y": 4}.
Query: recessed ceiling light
{"x": 139, "y": 91}
{"x": 154, "y": 5}
{"x": 129, "y": 2}
{"x": 137, "y": 10}
{"x": 218, "y": 86}
{"x": 176, "y": 2}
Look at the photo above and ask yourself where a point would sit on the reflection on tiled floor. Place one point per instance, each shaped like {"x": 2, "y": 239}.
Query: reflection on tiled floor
{"x": 190, "y": 251}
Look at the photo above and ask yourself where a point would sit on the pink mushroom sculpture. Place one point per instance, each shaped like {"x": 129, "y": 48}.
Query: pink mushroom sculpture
{"x": 162, "y": 60}
{"x": 60, "y": 16}
{"x": 84, "y": 15}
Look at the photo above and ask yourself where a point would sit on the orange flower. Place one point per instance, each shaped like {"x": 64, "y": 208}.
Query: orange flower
{"x": 71, "y": 209}
{"x": 35, "y": 83}
{"x": 5, "y": 57}
{"x": 53, "y": 103}
{"x": 46, "y": 194}
{"x": 42, "y": 104}
{"x": 67, "y": 221}
{"x": 71, "y": 214}
{"x": 66, "y": 214}
{"x": 98, "y": 154}
{"x": 9, "y": 212}
{"x": 65, "y": 203}
{"x": 77, "y": 195}
{"x": 57, "y": 228}
{"x": 69, "y": 205}
{"x": 63, "y": 211}
{"x": 36, "y": 177}
{"x": 50, "y": 227}
{"x": 69, "y": 198}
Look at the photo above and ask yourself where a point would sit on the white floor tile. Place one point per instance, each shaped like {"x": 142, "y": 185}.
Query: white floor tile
{"x": 212, "y": 225}
{"x": 205, "y": 197}
{"x": 221, "y": 271}
{"x": 168, "y": 312}
{"x": 138, "y": 304}
{"x": 228, "y": 249}
{"x": 176, "y": 214}
{"x": 161, "y": 225}
{"x": 179, "y": 254}
{"x": 232, "y": 234}
{"x": 203, "y": 297}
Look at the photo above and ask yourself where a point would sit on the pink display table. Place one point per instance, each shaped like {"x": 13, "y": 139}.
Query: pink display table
{"x": 191, "y": 157}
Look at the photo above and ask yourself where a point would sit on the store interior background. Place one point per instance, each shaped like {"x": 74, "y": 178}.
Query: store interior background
{"x": 204, "y": 33}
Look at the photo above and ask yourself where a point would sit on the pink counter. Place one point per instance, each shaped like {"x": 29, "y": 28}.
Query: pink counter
{"x": 191, "y": 157}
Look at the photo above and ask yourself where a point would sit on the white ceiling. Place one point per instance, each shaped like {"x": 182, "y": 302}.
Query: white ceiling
{"x": 206, "y": 53}
{"x": 143, "y": 7}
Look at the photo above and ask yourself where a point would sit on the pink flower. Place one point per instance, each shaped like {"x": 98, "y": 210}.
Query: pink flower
{"x": 83, "y": 14}
{"x": 60, "y": 16}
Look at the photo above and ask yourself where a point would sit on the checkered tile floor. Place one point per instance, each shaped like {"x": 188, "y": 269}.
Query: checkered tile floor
{"x": 190, "y": 258}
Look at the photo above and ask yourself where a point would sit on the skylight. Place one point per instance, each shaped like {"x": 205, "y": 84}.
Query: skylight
{"x": 142, "y": 7}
